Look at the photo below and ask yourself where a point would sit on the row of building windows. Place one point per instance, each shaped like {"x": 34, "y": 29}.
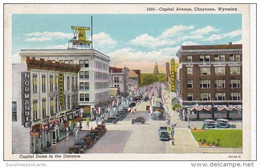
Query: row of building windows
{"x": 71, "y": 83}
{"x": 84, "y": 97}
{"x": 218, "y": 96}
{"x": 101, "y": 75}
{"x": 101, "y": 85}
{"x": 218, "y": 70}
{"x": 84, "y": 75}
{"x": 217, "y": 58}
{"x": 100, "y": 65}
{"x": 218, "y": 83}
{"x": 69, "y": 102}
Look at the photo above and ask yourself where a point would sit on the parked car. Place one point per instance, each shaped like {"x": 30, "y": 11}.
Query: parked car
{"x": 164, "y": 136}
{"x": 209, "y": 124}
{"x": 162, "y": 129}
{"x": 224, "y": 123}
{"x": 132, "y": 104}
{"x": 112, "y": 120}
{"x": 138, "y": 120}
{"x": 82, "y": 146}
{"x": 158, "y": 116}
{"x": 93, "y": 136}
{"x": 146, "y": 98}
{"x": 75, "y": 149}
{"x": 89, "y": 141}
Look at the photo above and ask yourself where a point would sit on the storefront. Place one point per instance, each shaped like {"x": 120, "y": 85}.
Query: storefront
{"x": 62, "y": 129}
{"x": 35, "y": 134}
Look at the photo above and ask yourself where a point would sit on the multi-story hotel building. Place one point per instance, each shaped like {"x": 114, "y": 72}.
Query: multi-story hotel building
{"x": 48, "y": 102}
{"x": 118, "y": 78}
{"x": 93, "y": 77}
{"x": 211, "y": 81}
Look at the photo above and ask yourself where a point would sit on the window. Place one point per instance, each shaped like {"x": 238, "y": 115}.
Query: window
{"x": 235, "y": 83}
{"x": 81, "y": 86}
{"x": 14, "y": 111}
{"x": 222, "y": 58}
{"x": 71, "y": 62}
{"x": 44, "y": 114}
{"x": 190, "y": 83}
{"x": 69, "y": 105}
{"x": 87, "y": 85}
{"x": 189, "y": 58}
{"x": 205, "y": 96}
{"x": 235, "y": 70}
{"x": 86, "y": 74}
{"x": 238, "y": 58}
{"x": 66, "y": 61}
{"x": 204, "y": 71}
{"x": 86, "y": 97}
{"x": 35, "y": 110}
{"x": 51, "y": 107}
{"x": 51, "y": 83}
{"x": 81, "y": 63}
{"x": 43, "y": 83}
{"x": 116, "y": 86}
{"x": 204, "y": 83}
{"x": 219, "y": 58}
{"x": 235, "y": 96}
{"x": 189, "y": 70}
{"x": 56, "y": 104}
{"x": 116, "y": 79}
{"x": 220, "y": 70}
{"x": 81, "y": 74}
{"x": 34, "y": 83}
{"x": 68, "y": 83}
{"x": 86, "y": 62}
{"x": 202, "y": 58}
{"x": 220, "y": 96}
{"x": 61, "y": 61}
{"x": 231, "y": 57}
{"x": 207, "y": 58}
{"x": 72, "y": 83}
{"x": 220, "y": 84}
{"x": 81, "y": 97}
{"x": 56, "y": 82}
{"x": 189, "y": 96}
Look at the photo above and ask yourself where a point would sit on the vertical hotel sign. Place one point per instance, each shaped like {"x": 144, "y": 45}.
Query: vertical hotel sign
{"x": 172, "y": 75}
{"x": 61, "y": 87}
{"x": 26, "y": 99}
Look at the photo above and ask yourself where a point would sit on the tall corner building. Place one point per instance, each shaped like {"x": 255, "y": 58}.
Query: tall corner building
{"x": 211, "y": 81}
{"x": 93, "y": 77}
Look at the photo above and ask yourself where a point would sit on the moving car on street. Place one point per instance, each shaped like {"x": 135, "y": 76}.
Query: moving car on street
{"x": 111, "y": 120}
{"x": 138, "y": 120}
{"x": 162, "y": 129}
{"x": 209, "y": 124}
{"x": 224, "y": 123}
{"x": 164, "y": 136}
{"x": 132, "y": 104}
{"x": 158, "y": 116}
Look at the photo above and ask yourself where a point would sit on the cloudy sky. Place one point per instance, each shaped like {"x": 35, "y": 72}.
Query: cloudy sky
{"x": 134, "y": 41}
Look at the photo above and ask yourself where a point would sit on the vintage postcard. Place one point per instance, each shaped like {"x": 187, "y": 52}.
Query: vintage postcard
{"x": 128, "y": 82}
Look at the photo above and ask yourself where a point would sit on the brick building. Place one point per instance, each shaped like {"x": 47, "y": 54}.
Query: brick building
{"x": 211, "y": 81}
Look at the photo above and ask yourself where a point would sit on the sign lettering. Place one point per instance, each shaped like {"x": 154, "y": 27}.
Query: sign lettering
{"x": 26, "y": 99}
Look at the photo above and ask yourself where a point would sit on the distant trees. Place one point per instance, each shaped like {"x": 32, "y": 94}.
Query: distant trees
{"x": 147, "y": 79}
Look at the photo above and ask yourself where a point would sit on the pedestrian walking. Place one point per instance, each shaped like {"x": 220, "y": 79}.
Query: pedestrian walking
{"x": 88, "y": 120}
{"x": 173, "y": 125}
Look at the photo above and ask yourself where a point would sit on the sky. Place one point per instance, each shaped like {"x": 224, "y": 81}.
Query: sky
{"x": 136, "y": 41}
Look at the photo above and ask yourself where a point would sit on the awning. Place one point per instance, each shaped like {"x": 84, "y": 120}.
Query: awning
{"x": 229, "y": 108}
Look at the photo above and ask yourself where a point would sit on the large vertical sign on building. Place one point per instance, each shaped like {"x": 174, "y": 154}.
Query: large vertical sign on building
{"x": 173, "y": 75}
{"x": 61, "y": 88}
{"x": 26, "y": 99}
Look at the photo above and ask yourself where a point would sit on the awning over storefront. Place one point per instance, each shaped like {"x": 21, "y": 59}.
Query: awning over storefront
{"x": 199, "y": 108}
{"x": 229, "y": 108}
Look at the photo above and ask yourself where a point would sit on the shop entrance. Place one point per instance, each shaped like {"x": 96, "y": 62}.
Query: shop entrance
{"x": 54, "y": 141}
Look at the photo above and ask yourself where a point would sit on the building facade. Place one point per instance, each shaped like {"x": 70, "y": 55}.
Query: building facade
{"x": 49, "y": 102}
{"x": 93, "y": 77}
{"x": 118, "y": 78}
{"x": 211, "y": 81}
{"x": 133, "y": 82}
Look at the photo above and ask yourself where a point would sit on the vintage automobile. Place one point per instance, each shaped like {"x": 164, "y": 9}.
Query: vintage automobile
{"x": 138, "y": 120}
{"x": 137, "y": 98}
{"x": 164, "y": 136}
{"x": 146, "y": 98}
{"x": 162, "y": 129}
{"x": 93, "y": 136}
{"x": 224, "y": 123}
{"x": 75, "y": 149}
{"x": 209, "y": 124}
{"x": 103, "y": 127}
{"x": 96, "y": 132}
{"x": 112, "y": 120}
{"x": 158, "y": 116}
{"x": 132, "y": 104}
{"x": 89, "y": 141}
